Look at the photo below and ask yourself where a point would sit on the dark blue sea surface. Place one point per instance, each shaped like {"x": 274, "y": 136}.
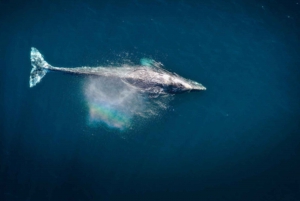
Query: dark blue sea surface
{"x": 238, "y": 140}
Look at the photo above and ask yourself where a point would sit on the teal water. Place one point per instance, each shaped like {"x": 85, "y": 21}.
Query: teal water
{"x": 239, "y": 140}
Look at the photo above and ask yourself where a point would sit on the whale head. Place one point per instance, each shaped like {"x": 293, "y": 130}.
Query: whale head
{"x": 180, "y": 85}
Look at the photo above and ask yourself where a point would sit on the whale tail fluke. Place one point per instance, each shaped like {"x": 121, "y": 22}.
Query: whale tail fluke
{"x": 39, "y": 67}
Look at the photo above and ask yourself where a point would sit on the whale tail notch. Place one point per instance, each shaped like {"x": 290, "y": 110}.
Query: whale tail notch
{"x": 39, "y": 67}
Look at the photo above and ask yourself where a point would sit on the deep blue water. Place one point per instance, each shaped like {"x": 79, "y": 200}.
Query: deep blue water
{"x": 239, "y": 140}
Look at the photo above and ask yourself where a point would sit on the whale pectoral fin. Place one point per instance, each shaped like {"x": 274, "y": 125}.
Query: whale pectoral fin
{"x": 146, "y": 62}
{"x": 150, "y": 63}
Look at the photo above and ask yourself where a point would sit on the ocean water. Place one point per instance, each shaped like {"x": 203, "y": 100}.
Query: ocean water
{"x": 238, "y": 140}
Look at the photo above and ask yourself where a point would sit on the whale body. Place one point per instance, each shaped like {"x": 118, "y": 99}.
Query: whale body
{"x": 149, "y": 77}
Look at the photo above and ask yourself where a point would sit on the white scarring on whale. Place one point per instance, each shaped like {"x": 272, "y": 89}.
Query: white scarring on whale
{"x": 149, "y": 77}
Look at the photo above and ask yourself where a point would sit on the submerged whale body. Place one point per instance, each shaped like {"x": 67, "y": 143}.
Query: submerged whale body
{"x": 148, "y": 77}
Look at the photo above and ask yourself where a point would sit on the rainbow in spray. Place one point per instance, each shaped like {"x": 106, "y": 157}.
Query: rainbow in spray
{"x": 113, "y": 118}
{"x": 116, "y": 105}
{"x": 112, "y": 103}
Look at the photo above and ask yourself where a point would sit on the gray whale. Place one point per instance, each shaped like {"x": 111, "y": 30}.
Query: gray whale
{"x": 148, "y": 77}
